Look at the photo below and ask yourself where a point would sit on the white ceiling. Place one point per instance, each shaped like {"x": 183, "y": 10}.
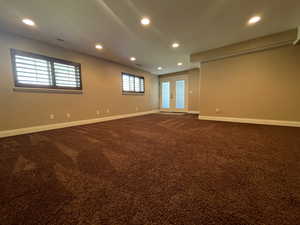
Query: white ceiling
{"x": 197, "y": 25}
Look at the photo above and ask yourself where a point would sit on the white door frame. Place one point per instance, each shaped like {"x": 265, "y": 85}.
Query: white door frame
{"x": 172, "y": 81}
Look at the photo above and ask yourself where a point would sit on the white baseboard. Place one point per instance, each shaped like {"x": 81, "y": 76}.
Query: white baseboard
{"x": 28, "y": 130}
{"x": 193, "y": 112}
{"x": 252, "y": 121}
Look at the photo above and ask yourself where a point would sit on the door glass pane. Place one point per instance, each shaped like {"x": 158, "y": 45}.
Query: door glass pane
{"x": 165, "y": 92}
{"x": 180, "y": 94}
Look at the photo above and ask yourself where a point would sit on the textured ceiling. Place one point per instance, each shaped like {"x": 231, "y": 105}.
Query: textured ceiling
{"x": 197, "y": 25}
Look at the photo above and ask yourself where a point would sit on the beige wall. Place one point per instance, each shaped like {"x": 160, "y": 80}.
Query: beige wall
{"x": 193, "y": 85}
{"x": 260, "y": 85}
{"x": 101, "y": 89}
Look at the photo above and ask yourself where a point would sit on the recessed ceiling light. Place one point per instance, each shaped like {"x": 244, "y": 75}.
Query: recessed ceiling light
{"x": 159, "y": 68}
{"x": 179, "y": 64}
{"x": 28, "y": 22}
{"x": 145, "y": 21}
{"x": 254, "y": 20}
{"x": 98, "y": 46}
{"x": 175, "y": 45}
{"x": 132, "y": 58}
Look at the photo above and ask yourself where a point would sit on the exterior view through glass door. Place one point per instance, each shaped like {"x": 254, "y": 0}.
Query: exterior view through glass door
{"x": 173, "y": 94}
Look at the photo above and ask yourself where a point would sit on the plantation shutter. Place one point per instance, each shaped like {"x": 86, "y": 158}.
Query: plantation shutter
{"x": 33, "y": 70}
{"x": 66, "y": 75}
{"x": 132, "y": 83}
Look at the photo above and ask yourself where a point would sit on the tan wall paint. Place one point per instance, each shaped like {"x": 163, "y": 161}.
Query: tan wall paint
{"x": 261, "y": 85}
{"x": 193, "y": 85}
{"x": 101, "y": 89}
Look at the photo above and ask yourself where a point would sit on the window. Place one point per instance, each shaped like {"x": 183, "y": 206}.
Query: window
{"x": 38, "y": 71}
{"x": 132, "y": 83}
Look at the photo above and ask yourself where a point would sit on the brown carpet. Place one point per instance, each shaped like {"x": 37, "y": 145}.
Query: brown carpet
{"x": 154, "y": 169}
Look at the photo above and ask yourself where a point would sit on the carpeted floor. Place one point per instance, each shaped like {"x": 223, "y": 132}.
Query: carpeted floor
{"x": 154, "y": 169}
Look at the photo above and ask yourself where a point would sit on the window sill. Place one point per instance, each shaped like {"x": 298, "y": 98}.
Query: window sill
{"x": 46, "y": 90}
{"x": 132, "y": 93}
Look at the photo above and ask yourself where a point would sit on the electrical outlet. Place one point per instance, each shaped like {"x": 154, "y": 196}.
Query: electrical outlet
{"x": 107, "y": 111}
{"x": 98, "y": 112}
{"x": 218, "y": 110}
{"x": 51, "y": 116}
{"x": 68, "y": 115}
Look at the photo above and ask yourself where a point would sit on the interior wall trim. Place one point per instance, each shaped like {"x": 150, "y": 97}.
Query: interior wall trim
{"x": 250, "y": 51}
{"x": 29, "y": 130}
{"x": 246, "y": 47}
{"x": 252, "y": 121}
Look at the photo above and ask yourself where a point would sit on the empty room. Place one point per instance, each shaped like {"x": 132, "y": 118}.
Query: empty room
{"x": 149, "y": 112}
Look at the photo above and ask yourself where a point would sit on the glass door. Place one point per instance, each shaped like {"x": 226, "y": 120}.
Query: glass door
{"x": 173, "y": 92}
{"x": 180, "y": 94}
{"x": 165, "y": 93}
